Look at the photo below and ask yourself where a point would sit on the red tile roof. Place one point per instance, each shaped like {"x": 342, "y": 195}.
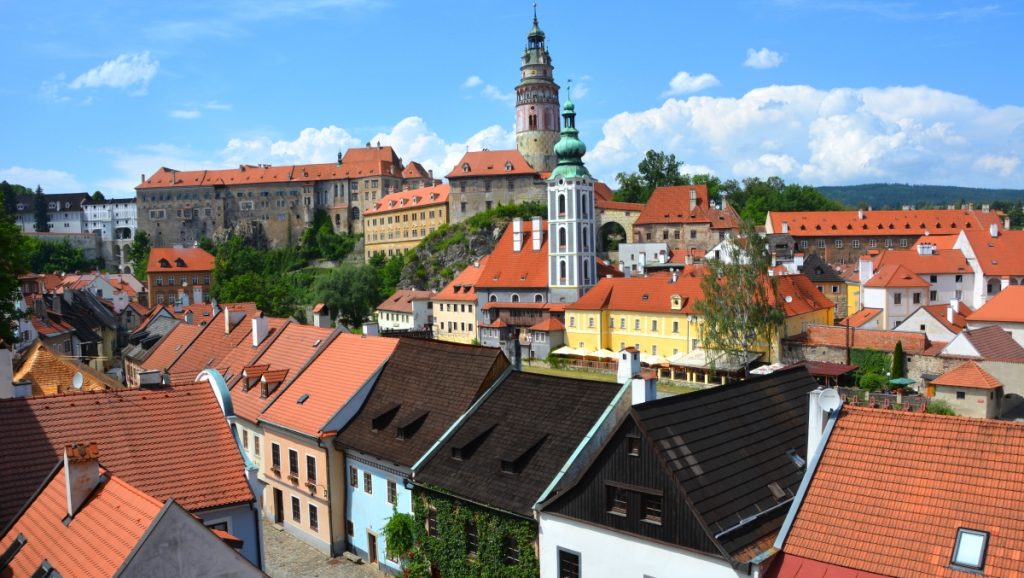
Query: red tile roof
{"x": 790, "y": 566}
{"x": 549, "y": 324}
{"x": 880, "y": 223}
{"x": 328, "y": 382}
{"x": 401, "y": 301}
{"x": 875, "y": 339}
{"x": 653, "y": 293}
{"x": 942, "y": 261}
{"x": 414, "y": 170}
{"x": 403, "y": 200}
{"x": 602, "y": 192}
{"x": 496, "y": 324}
{"x": 893, "y": 506}
{"x": 526, "y": 269}
{"x": 463, "y": 286}
{"x": 800, "y": 296}
{"x": 610, "y": 205}
{"x": 896, "y": 276}
{"x": 861, "y": 317}
{"x": 998, "y": 255}
{"x": 98, "y": 539}
{"x": 192, "y": 259}
{"x": 968, "y": 374}
{"x": 243, "y": 354}
{"x": 672, "y": 205}
{"x": 1006, "y": 306}
{"x": 171, "y": 346}
{"x": 939, "y": 313}
{"x": 213, "y": 343}
{"x": 290, "y": 349}
{"x": 490, "y": 164}
{"x": 168, "y": 442}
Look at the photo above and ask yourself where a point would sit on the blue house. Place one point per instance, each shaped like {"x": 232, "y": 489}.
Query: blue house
{"x": 422, "y": 390}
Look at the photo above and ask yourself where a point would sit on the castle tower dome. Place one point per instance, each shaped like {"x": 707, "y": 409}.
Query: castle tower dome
{"x": 537, "y": 102}
{"x": 572, "y": 224}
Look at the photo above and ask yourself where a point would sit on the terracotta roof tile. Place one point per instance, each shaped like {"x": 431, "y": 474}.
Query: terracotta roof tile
{"x": 896, "y": 276}
{"x": 800, "y": 296}
{"x": 939, "y": 313}
{"x": 672, "y": 205}
{"x": 893, "y": 506}
{"x": 168, "y": 442}
{"x": 402, "y": 300}
{"x": 861, "y": 317}
{"x": 328, "y": 383}
{"x": 941, "y": 261}
{"x": 881, "y": 223}
{"x": 463, "y": 286}
{"x": 525, "y": 269}
{"x": 549, "y": 324}
{"x": 213, "y": 343}
{"x": 99, "y": 538}
{"x": 178, "y": 260}
{"x": 415, "y": 170}
{"x": 998, "y": 255}
{"x": 1006, "y": 306}
{"x": 602, "y": 192}
{"x": 969, "y": 374}
{"x": 491, "y": 163}
{"x": 404, "y": 200}
{"x": 51, "y": 374}
{"x": 171, "y": 346}
{"x": 653, "y": 293}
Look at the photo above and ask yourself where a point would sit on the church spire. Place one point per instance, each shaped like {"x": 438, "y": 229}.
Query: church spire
{"x": 569, "y": 149}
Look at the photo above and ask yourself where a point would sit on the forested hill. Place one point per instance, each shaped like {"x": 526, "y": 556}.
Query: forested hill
{"x": 886, "y": 195}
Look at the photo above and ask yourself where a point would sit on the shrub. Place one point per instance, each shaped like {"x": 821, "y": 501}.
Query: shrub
{"x": 940, "y": 407}
{"x": 873, "y": 381}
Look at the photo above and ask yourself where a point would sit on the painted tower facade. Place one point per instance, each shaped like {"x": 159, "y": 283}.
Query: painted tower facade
{"x": 572, "y": 266}
{"x": 537, "y": 103}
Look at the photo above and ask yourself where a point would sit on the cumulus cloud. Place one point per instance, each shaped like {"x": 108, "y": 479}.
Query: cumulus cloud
{"x": 823, "y": 137}
{"x": 125, "y": 71}
{"x": 472, "y": 81}
{"x": 763, "y": 58}
{"x": 313, "y": 145}
{"x": 488, "y": 90}
{"x": 52, "y": 181}
{"x": 683, "y": 83}
{"x": 187, "y": 114}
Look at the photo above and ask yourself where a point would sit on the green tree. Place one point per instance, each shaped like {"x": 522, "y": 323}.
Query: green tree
{"x": 56, "y": 256}
{"x": 1016, "y": 215}
{"x": 10, "y": 198}
{"x": 352, "y": 291}
{"x": 657, "y": 169}
{"x": 898, "y": 369}
{"x": 98, "y": 197}
{"x": 939, "y": 407}
{"x": 41, "y": 211}
{"x": 757, "y": 196}
{"x": 138, "y": 254}
{"x": 319, "y": 241}
{"x": 740, "y": 308}
{"x": 13, "y": 262}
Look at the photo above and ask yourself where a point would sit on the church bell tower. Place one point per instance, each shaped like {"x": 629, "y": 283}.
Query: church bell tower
{"x": 537, "y": 103}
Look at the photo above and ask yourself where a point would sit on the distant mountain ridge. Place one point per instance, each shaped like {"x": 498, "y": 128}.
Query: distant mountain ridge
{"x": 895, "y": 196}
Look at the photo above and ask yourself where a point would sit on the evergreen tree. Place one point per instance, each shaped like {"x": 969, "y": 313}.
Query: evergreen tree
{"x": 13, "y": 262}
{"x": 897, "y": 361}
{"x": 41, "y": 211}
{"x": 138, "y": 254}
{"x": 10, "y": 198}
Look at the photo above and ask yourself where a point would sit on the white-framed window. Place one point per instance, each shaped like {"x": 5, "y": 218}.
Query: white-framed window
{"x": 970, "y": 548}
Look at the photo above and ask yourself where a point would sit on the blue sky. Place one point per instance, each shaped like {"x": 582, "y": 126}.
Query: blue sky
{"x": 818, "y": 92}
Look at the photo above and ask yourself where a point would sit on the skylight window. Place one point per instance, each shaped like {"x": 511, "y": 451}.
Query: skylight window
{"x": 302, "y": 399}
{"x": 969, "y": 551}
{"x": 795, "y": 457}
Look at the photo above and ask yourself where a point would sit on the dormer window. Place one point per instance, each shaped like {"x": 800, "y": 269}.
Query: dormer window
{"x": 164, "y": 263}
{"x": 677, "y": 302}
{"x": 970, "y": 548}
{"x": 179, "y": 262}
{"x": 508, "y": 165}
{"x": 465, "y": 167}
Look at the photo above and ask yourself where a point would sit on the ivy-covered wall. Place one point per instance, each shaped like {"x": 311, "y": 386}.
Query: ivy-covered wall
{"x": 447, "y": 550}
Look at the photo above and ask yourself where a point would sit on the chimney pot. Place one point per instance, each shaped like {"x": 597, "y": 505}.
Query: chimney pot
{"x": 993, "y": 230}
{"x": 629, "y": 364}
{"x": 260, "y": 329}
{"x": 81, "y": 474}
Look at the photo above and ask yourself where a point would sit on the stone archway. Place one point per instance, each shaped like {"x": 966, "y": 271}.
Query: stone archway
{"x": 609, "y": 236}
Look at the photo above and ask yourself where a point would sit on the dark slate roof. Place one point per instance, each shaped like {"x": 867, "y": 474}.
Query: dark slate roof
{"x": 725, "y": 445}
{"x": 818, "y": 271}
{"x": 424, "y": 387}
{"x": 533, "y": 423}
{"x": 141, "y": 342}
{"x": 994, "y": 344}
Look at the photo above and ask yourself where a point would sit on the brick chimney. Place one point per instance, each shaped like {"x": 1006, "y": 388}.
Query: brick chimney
{"x": 865, "y": 269}
{"x": 537, "y": 233}
{"x": 260, "y": 330}
{"x": 517, "y": 234}
{"x": 81, "y": 474}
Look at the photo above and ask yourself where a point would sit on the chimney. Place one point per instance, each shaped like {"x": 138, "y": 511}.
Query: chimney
{"x": 865, "y": 269}
{"x": 645, "y": 387}
{"x": 785, "y": 228}
{"x": 984, "y": 208}
{"x": 816, "y": 420}
{"x": 517, "y": 234}
{"x": 260, "y": 329}
{"x": 1006, "y": 223}
{"x": 643, "y": 263}
{"x": 907, "y": 207}
{"x": 722, "y": 195}
{"x": 339, "y": 158}
{"x": 629, "y": 365}
{"x": 143, "y": 178}
{"x": 188, "y": 317}
{"x": 693, "y": 199}
{"x": 993, "y": 230}
{"x": 954, "y": 306}
{"x": 321, "y": 317}
{"x": 214, "y": 308}
{"x": 860, "y": 214}
{"x": 675, "y": 276}
{"x": 81, "y": 474}
{"x": 537, "y": 233}
{"x": 517, "y": 355}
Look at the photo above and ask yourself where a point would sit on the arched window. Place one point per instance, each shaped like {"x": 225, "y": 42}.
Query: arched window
{"x": 586, "y": 239}
{"x": 586, "y": 272}
{"x": 561, "y": 205}
{"x": 538, "y": 298}
{"x": 561, "y": 271}
{"x": 337, "y": 219}
{"x": 562, "y": 238}
{"x": 493, "y": 298}
{"x": 355, "y": 213}
{"x": 515, "y": 298}
{"x": 583, "y": 205}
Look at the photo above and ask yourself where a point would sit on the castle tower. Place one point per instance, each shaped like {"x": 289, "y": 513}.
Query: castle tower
{"x": 537, "y": 103}
{"x": 572, "y": 265}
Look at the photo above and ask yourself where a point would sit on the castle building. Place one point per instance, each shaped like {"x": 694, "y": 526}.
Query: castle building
{"x": 537, "y": 103}
{"x": 398, "y": 222}
{"x": 116, "y": 221}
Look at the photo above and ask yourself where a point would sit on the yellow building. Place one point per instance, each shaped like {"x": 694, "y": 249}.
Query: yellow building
{"x": 657, "y": 314}
{"x": 455, "y": 306}
{"x": 399, "y": 221}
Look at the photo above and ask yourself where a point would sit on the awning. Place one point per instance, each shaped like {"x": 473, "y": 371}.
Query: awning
{"x": 719, "y": 360}
{"x": 652, "y": 359}
{"x": 566, "y": 350}
{"x": 605, "y": 354}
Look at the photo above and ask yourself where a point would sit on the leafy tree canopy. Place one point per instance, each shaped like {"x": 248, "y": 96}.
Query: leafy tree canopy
{"x": 319, "y": 241}
{"x": 755, "y": 197}
{"x": 657, "y": 169}
{"x": 56, "y": 257}
{"x": 41, "y": 211}
{"x": 13, "y": 262}
{"x": 98, "y": 197}
{"x": 352, "y": 291}
{"x": 138, "y": 254}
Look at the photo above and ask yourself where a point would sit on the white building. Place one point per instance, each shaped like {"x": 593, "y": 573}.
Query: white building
{"x": 1006, "y": 309}
{"x": 939, "y": 322}
{"x": 406, "y": 310}
{"x": 116, "y": 220}
{"x": 996, "y": 259}
{"x": 64, "y": 210}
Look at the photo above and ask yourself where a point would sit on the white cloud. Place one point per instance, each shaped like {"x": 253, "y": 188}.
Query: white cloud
{"x": 311, "y": 146}
{"x": 127, "y": 70}
{"x": 683, "y": 83}
{"x": 52, "y": 181}
{"x": 488, "y": 90}
{"x": 187, "y": 114}
{"x": 214, "y": 105}
{"x": 146, "y": 160}
{"x": 472, "y": 81}
{"x": 822, "y": 137}
{"x": 763, "y": 58}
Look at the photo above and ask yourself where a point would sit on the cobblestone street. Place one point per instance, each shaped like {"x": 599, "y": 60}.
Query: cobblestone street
{"x": 289, "y": 557}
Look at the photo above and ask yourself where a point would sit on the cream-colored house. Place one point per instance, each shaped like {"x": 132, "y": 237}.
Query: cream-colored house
{"x": 455, "y": 306}
{"x": 970, "y": 391}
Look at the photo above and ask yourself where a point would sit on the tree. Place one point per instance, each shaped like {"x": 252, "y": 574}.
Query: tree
{"x": 740, "y": 308}
{"x": 939, "y": 407}
{"x": 657, "y": 169}
{"x": 41, "y": 211}
{"x": 757, "y": 196}
{"x": 352, "y": 291}
{"x": 138, "y": 254}
{"x": 55, "y": 256}
{"x": 10, "y": 198}
{"x": 98, "y": 197}
{"x": 897, "y": 361}
{"x": 13, "y": 262}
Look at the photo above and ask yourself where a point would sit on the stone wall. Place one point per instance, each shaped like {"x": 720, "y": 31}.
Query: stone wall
{"x": 91, "y": 244}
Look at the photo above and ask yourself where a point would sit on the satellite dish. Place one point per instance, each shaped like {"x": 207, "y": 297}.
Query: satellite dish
{"x": 76, "y": 381}
{"x": 829, "y": 400}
